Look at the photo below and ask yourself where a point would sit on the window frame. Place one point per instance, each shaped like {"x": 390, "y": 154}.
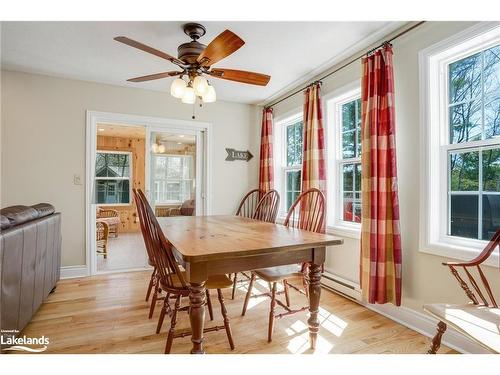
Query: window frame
{"x": 435, "y": 144}
{"x": 180, "y": 181}
{"x": 280, "y": 166}
{"x": 129, "y": 178}
{"x": 333, "y": 105}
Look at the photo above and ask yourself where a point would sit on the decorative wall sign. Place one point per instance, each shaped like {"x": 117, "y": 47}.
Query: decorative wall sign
{"x": 233, "y": 155}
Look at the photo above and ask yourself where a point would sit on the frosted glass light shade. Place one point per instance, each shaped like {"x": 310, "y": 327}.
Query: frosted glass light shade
{"x": 189, "y": 96}
{"x": 209, "y": 96}
{"x": 200, "y": 85}
{"x": 154, "y": 148}
{"x": 161, "y": 149}
{"x": 177, "y": 88}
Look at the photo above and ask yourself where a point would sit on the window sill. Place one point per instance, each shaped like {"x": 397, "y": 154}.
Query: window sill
{"x": 463, "y": 253}
{"x": 349, "y": 231}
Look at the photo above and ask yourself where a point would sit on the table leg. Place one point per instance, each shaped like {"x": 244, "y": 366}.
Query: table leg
{"x": 314, "y": 281}
{"x": 197, "y": 316}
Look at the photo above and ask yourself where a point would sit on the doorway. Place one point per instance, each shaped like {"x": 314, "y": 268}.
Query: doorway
{"x": 167, "y": 159}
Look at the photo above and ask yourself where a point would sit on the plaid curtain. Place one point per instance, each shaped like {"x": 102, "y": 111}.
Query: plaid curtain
{"x": 313, "y": 154}
{"x": 380, "y": 235}
{"x": 266, "y": 151}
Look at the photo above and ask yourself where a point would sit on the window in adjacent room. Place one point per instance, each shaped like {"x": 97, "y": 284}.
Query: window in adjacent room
{"x": 173, "y": 180}
{"x": 113, "y": 177}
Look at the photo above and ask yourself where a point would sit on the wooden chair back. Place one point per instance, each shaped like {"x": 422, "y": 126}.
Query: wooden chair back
{"x": 475, "y": 264}
{"x": 249, "y": 203}
{"x": 164, "y": 258}
{"x": 308, "y": 211}
{"x": 267, "y": 208}
{"x": 102, "y": 233}
{"x": 140, "y": 213}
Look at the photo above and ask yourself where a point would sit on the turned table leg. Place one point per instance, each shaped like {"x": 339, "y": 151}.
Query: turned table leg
{"x": 197, "y": 316}
{"x": 436, "y": 341}
{"x": 314, "y": 281}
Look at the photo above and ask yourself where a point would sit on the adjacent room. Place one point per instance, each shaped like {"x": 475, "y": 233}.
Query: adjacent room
{"x": 175, "y": 187}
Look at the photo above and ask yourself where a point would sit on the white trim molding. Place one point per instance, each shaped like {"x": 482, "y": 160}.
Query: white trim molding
{"x": 434, "y": 141}
{"x": 426, "y": 325}
{"x": 71, "y": 272}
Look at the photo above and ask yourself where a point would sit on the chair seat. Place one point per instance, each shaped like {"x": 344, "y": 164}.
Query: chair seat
{"x": 113, "y": 220}
{"x": 213, "y": 282}
{"x": 273, "y": 274}
{"x": 480, "y": 323}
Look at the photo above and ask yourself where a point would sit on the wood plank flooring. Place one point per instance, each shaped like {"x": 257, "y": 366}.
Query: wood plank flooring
{"x": 108, "y": 314}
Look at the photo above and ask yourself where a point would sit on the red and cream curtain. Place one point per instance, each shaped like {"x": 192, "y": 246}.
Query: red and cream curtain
{"x": 266, "y": 151}
{"x": 380, "y": 264}
{"x": 313, "y": 155}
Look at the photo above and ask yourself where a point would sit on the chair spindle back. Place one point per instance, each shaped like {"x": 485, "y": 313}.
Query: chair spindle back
{"x": 267, "y": 208}
{"x": 249, "y": 203}
{"x": 162, "y": 250}
{"x": 308, "y": 211}
{"x": 467, "y": 267}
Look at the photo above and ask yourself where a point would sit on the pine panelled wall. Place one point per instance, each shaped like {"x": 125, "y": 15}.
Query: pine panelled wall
{"x": 137, "y": 146}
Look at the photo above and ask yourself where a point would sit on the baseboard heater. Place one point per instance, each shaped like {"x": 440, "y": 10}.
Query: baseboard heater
{"x": 341, "y": 285}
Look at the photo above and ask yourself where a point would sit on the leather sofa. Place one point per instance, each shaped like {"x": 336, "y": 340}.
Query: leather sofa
{"x": 30, "y": 262}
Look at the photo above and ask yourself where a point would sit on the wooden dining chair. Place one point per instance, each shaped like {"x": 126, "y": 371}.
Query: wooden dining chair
{"x": 247, "y": 208}
{"x": 475, "y": 319}
{"x": 153, "y": 280}
{"x": 172, "y": 279}
{"x": 267, "y": 208}
{"x": 307, "y": 213}
{"x": 101, "y": 234}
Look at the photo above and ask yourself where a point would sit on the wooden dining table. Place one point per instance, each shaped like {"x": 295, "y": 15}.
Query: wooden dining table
{"x": 215, "y": 245}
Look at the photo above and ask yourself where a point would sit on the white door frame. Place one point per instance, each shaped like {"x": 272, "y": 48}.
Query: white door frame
{"x": 150, "y": 124}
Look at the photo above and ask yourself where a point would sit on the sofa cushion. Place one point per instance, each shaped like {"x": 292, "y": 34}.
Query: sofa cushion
{"x": 19, "y": 214}
{"x": 44, "y": 209}
{"x": 5, "y": 223}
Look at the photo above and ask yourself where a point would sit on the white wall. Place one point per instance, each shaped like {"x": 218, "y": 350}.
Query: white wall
{"x": 424, "y": 278}
{"x": 43, "y": 144}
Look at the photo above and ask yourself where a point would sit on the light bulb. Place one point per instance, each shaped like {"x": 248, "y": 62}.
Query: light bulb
{"x": 154, "y": 148}
{"x": 209, "y": 96}
{"x": 189, "y": 96}
{"x": 200, "y": 85}
{"x": 177, "y": 88}
{"x": 161, "y": 149}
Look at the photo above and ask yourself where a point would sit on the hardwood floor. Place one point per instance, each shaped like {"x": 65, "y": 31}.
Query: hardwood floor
{"x": 108, "y": 314}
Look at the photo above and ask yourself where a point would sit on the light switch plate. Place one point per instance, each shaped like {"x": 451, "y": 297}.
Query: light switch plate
{"x": 77, "y": 180}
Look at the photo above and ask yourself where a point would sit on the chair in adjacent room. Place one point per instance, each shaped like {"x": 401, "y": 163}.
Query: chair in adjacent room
{"x": 307, "y": 213}
{"x": 102, "y": 233}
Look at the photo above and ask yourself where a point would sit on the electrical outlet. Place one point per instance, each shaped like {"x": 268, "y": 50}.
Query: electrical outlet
{"x": 77, "y": 180}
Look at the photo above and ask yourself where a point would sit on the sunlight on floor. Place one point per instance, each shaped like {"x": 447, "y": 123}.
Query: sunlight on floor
{"x": 300, "y": 344}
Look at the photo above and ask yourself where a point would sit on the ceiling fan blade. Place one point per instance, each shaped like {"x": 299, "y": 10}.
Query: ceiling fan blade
{"x": 222, "y": 46}
{"x": 241, "y": 76}
{"x": 151, "y": 77}
{"x": 148, "y": 49}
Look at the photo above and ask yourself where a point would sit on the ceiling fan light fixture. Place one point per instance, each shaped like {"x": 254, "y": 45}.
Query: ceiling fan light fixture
{"x": 189, "y": 96}
{"x": 210, "y": 96}
{"x": 200, "y": 85}
{"x": 178, "y": 88}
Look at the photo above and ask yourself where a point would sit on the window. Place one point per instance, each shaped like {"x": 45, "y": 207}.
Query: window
{"x": 173, "y": 180}
{"x": 462, "y": 140}
{"x": 293, "y": 167}
{"x": 112, "y": 177}
{"x": 288, "y": 143}
{"x": 344, "y": 158}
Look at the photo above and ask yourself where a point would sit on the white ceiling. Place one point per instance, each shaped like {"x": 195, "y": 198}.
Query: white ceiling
{"x": 291, "y": 52}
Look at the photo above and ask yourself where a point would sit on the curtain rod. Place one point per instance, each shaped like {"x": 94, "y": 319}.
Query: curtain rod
{"x": 347, "y": 63}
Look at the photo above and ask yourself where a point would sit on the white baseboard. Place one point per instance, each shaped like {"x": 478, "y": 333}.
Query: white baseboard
{"x": 415, "y": 320}
{"x": 71, "y": 272}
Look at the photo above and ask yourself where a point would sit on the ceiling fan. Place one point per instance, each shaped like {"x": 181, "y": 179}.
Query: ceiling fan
{"x": 196, "y": 60}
